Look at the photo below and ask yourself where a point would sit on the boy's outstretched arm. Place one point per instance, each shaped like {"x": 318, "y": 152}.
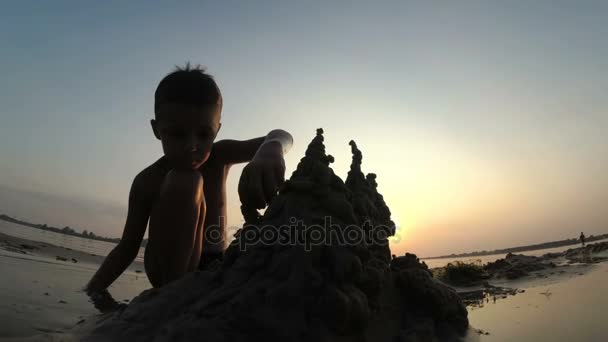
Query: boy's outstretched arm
{"x": 126, "y": 250}
{"x": 241, "y": 151}
{"x": 265, "y": 172}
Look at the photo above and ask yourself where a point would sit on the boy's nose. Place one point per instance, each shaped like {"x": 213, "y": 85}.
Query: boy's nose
{"x": 191, "y": 144}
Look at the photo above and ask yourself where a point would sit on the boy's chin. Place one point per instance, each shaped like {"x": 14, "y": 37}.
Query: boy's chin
{"x": 195, "y": 166}
{"x": 187, "y": 167}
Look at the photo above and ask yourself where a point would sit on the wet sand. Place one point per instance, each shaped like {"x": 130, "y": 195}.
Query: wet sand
{"x": 41, "y": 290}
{"x": 563, "y": 301}
{"x": 42, "y": 296}
{"x": 41, "y": 249}
{"x": 565, "y": 307}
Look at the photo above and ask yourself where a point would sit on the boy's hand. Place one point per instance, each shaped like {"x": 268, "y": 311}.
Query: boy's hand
{"x": 262, "y": 177}
{"x": 103, "y": 301}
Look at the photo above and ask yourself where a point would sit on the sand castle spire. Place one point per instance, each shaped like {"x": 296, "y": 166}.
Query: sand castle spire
{"x": 355, "y": 179}
{"x": 383, "y": 211}
{"x": 312, "y": 174}
{"x": 357, "y": 157}
{"x": 314, "y": 157}
{"x": 316, "y": 148}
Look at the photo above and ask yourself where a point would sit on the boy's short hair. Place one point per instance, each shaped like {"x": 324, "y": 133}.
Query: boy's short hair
{"x": 187, "y": 85}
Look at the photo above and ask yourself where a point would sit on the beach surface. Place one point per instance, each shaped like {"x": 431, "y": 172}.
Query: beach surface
{"x": 41, "y": 297}
{"x": 42, "y": 286}
{"x": 566, "y": 307}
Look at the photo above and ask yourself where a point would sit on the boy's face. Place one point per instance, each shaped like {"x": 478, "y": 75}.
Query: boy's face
{"x": 187, "y": 133}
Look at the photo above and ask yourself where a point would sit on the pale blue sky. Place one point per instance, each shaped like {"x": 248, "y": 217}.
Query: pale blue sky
{"x": 485, "y": 120}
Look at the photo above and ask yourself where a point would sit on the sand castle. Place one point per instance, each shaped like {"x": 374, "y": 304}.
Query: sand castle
{"x": 315, "y": 267}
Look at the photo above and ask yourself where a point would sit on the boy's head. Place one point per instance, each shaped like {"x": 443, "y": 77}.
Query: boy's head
{"x": 187, "y": 109}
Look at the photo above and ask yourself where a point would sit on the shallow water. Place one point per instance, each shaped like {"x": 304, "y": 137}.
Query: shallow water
{"x": 103, "y": 248}
{"x": 32, "y": 288}
{"x": 40, "y": 294}
{"x": 574, "y": 309}
{"x": 62, "y": 240}
{"x": 432, "y": 263}
{"x": 33, "y": 291}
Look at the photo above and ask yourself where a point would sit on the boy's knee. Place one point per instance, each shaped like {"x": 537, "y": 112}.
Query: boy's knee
{"x": 183, "y": 183}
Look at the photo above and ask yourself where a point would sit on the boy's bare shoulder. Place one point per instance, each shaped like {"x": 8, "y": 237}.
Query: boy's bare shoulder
{"x": 148, "y": 181}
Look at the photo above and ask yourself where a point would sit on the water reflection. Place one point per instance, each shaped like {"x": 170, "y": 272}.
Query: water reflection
{"x": 573, "y": 309}
{"x": 478, "y": 298}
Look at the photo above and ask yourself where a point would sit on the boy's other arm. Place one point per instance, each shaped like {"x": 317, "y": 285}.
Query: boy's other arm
{"x": 234, "y": 151}
{"x": 264, "y": 174}
{"x": 126, "y": 250}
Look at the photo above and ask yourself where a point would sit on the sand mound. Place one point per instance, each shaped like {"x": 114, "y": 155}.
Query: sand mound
{"x": 315, "y": 267}
{"x": 515, "y": 266}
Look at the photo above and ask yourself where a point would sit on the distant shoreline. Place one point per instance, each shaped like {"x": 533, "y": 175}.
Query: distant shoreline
{"x": 65, "y": 230}
{"x": 544, "y": 245}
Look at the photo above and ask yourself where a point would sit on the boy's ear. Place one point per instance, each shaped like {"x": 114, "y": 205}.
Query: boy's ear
{"x": 154, "y": 125}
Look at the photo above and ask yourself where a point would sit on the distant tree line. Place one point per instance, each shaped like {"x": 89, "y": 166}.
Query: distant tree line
{"x": 553, "y": 244}
{"x": 65, "y": 230}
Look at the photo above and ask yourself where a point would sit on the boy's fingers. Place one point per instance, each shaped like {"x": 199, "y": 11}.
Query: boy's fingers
{"x": 270, "y": 185}
{"x": 279, "y": 172}
{"x": 245, "y": 191}
{"x": 254, "y": 189}
{"x": 103, "y": 301}
{"x": 242, "y": 185}
{"x": 259, "y": 184}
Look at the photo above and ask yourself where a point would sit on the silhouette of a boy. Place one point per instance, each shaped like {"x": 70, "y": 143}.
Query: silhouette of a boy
{"x": 182, "y": 196}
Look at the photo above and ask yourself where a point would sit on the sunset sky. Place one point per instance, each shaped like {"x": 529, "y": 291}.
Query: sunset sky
{"x": 486, "y": 121}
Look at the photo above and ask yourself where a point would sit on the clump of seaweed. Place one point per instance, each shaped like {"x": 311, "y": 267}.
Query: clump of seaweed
{"x": 460, "y": 273}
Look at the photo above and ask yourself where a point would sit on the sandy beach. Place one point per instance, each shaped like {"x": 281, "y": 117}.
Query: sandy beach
{"x": 45, "y": 250}
{"x": 42, "y": 297}
{"x": 41, "y": 291}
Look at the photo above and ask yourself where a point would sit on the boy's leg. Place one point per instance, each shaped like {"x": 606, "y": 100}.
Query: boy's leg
{"x": 174, "y": 244}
